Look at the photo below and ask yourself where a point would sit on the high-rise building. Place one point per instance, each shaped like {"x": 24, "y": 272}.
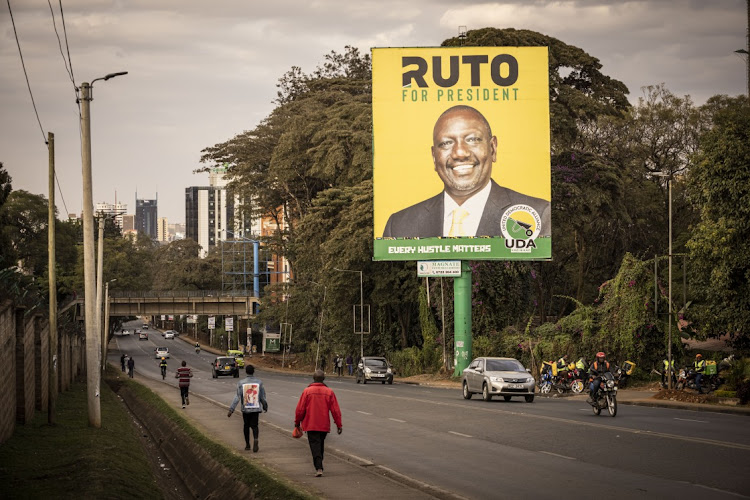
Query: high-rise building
{"x": 146, "y": 215}
{"x": 162, "y": 232}
{"x": 209, "y": 215}
{"x": 115, "y": 210}
{"x": 128, "y": 223}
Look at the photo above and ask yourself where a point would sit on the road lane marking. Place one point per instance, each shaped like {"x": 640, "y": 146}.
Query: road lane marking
{"x": 557, "y": 455}
{"x": 459, "y": 434}
{"x": 564, "y": 420}
{"x": 364, "y": 412}
{"x": 397, "y": 420}
{"x": 691, "y": 420}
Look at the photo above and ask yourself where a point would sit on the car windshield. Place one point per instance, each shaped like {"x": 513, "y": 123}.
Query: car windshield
{"x": 504, "y": 365}
{"x": 376, "y": 363}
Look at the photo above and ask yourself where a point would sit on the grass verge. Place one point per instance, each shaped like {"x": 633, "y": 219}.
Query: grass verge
{"x": 73, "y": 460}
{"x": 263, "y": 482}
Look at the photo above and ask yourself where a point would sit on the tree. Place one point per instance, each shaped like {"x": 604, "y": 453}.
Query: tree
{"x": 25, "y": 228}
{"x": 719, "y": 185}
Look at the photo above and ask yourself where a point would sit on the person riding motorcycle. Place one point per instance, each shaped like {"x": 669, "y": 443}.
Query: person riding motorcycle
{"x": 197, "y": 347}
{"x": 598, "y": 368}
{"x": 700, "y": 368}
{"x": 163, "y": 366}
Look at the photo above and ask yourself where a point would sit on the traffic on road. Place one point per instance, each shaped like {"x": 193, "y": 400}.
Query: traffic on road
{"x": 495, "y": 448}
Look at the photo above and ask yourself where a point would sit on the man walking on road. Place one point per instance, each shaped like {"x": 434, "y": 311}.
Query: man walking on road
{"x": 184, "y": 373}
{"x": 122, "y": 362}
{"x": 253, "y": 396}
{"x": 316, "y": 401}
{"x": 131, "y": 366}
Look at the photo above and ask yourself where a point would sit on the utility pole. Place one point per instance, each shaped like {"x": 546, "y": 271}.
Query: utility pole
{"x": 52, "y": 284}
{"x": 99, "y": 279}
{"x": 105, "y": 332}
{"x": 93, "y": 374}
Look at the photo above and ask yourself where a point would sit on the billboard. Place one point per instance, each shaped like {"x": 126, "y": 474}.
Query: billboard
{"x": 461, "y": 166}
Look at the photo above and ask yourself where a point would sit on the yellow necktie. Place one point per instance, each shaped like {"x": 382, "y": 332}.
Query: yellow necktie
{"x": 457, "y": 228}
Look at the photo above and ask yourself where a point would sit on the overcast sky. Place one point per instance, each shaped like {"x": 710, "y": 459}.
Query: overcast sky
{"x": 202, "y": 72}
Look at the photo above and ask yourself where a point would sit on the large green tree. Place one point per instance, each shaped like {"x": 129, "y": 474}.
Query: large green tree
{"x": 719, "y": 183}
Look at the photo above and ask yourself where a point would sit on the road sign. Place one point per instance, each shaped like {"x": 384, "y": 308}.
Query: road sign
{"x": 229, "y": 324}
{"x": 438, "y": 268}
{"x": 211, "y": 322}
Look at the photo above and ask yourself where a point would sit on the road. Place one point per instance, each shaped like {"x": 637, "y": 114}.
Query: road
{"x": 494, "y": 449}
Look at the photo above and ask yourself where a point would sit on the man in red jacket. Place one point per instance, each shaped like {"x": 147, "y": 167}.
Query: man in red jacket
{"x": 316, "y": 402}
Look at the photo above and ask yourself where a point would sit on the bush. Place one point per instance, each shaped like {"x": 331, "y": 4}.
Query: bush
{"x": 725, "y": 394}
{"x": 743, "y": 392}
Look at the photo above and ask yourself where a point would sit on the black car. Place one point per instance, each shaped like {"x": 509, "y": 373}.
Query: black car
{"x": 374, "y": 369}
{"x": 224, "y": 365}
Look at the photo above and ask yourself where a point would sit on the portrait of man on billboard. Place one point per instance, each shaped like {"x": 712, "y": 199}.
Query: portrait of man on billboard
{"x": 471, "y": 203}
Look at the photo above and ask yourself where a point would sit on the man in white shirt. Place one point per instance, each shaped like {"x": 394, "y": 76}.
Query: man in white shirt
{"x": 471, "y": 204}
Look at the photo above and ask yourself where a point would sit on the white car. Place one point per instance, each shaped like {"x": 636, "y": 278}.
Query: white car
{"x": 169, "y": 335}
{"x": 125, "y": 332}
{"x": 161, "y": 352}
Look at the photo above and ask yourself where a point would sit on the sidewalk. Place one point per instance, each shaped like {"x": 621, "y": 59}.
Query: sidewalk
{"x": 345, "y": 476}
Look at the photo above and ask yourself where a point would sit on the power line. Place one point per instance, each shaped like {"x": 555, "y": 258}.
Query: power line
{"x": 44, "y": 137}
{"x": 59, "y": 188}
{"x": 68, "y": 69}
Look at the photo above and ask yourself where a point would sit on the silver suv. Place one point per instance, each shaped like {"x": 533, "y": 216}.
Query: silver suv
{"x": 374, "y": 369}
{"x": 504, "y": 377}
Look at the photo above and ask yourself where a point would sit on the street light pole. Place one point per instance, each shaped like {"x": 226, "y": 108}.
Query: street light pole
{"x": 93, "y": 374}
{"x": 669, "y": 370}
{"x": 105, "y": 333}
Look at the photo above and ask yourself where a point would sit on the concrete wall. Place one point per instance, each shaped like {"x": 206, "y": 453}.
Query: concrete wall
{"x": 24, "y": 366}
{"x": 7, "y": 371}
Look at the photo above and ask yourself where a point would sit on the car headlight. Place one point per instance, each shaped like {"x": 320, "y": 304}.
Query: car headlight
{"x": 529, "y": 379}
{"x": 496, "y": 379}
{"x": 367, "y": 370}
{"x": 388, "y": 370}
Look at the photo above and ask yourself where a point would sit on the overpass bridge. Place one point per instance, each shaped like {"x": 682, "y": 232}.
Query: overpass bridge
{"x": 154, "y": 303}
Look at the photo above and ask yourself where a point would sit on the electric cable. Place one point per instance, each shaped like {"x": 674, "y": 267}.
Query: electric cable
{"x": 23, "y": 64}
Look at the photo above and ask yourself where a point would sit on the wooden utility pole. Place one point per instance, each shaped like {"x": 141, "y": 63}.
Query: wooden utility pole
{"x": 52, "y": 284}
{"x": 93, "y": 373}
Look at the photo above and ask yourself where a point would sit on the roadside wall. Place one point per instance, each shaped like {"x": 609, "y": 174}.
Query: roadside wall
{"x": 24, "y": 365}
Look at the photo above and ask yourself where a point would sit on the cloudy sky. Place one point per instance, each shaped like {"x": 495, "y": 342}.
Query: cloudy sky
{"x": 202, "y": 72}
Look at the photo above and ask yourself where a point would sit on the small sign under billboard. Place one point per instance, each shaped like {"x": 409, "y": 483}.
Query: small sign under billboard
{"x": 438, "y": 268}
{"x": 212, "y": 322}
{"x": 229, "y": 324}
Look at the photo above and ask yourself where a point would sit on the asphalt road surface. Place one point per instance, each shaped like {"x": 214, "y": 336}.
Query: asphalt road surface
{"x": 500, "y": 449}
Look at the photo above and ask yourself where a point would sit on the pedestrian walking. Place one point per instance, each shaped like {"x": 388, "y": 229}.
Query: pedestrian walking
{"x": 314, "y": 405}
{"x": 131, "y": 366}
{"x": 122, "y": 362}
{"x": 184, "y": 374}
{"x": 338, "y": 365}
{"x": 350, "y": 364}
{"x": 251, "y": 393}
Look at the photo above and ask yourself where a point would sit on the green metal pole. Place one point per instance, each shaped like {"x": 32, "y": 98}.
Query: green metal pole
{"x": 462, "y": 319}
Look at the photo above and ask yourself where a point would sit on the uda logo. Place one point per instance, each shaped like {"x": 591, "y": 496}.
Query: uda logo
{"x": 520, "y": 225}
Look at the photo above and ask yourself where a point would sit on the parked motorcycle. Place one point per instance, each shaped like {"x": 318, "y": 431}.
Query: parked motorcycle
{"x": 545, "y": 380}
{"x": 606, "y": 397}
{"x": 686, "y": 378}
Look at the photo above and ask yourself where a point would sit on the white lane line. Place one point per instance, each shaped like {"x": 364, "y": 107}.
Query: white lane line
{"x": 364, "y": 412}
{"x": 459, "y": 434}
{"x": 397, "y": 420}
{"x": 691, "y": 420}
{"x": 556, "y": 455}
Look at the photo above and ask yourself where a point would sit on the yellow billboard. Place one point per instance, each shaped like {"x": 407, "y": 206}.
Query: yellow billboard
{"x": 461, "y": 153}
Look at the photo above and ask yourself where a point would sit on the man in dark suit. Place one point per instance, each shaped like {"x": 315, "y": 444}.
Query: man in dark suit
{"x": 472, "y": 204}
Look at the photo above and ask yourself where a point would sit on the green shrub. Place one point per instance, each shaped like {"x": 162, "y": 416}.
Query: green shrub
{"x": 725, "y": 394}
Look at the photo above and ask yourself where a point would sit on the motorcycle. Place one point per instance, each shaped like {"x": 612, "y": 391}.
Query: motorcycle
{"x": 197, "y": 350}
{"x": 545, "y": 382}
{"x": 664, "y": 383}
{"x": 606, "y": 397}
{"x": 686, "y": 378}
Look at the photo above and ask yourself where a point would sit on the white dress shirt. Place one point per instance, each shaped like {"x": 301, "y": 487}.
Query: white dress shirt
{"x": 475, "y": 207}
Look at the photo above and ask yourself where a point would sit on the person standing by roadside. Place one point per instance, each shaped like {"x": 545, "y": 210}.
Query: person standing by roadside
{"x": 253, "y": 396}
{"x": 131, "y": 366}
{"x": 350, "y": 364}
{"x": 314, "y": 405}
{"x": 183, "y": 374}
{"x": 122, "y": 362}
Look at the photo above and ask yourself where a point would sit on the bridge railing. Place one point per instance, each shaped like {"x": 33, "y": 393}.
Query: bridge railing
{"x": 179, "y": 293}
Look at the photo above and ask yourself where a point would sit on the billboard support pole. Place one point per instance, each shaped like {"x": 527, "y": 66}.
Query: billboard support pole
{"x": 462, "y": 319}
